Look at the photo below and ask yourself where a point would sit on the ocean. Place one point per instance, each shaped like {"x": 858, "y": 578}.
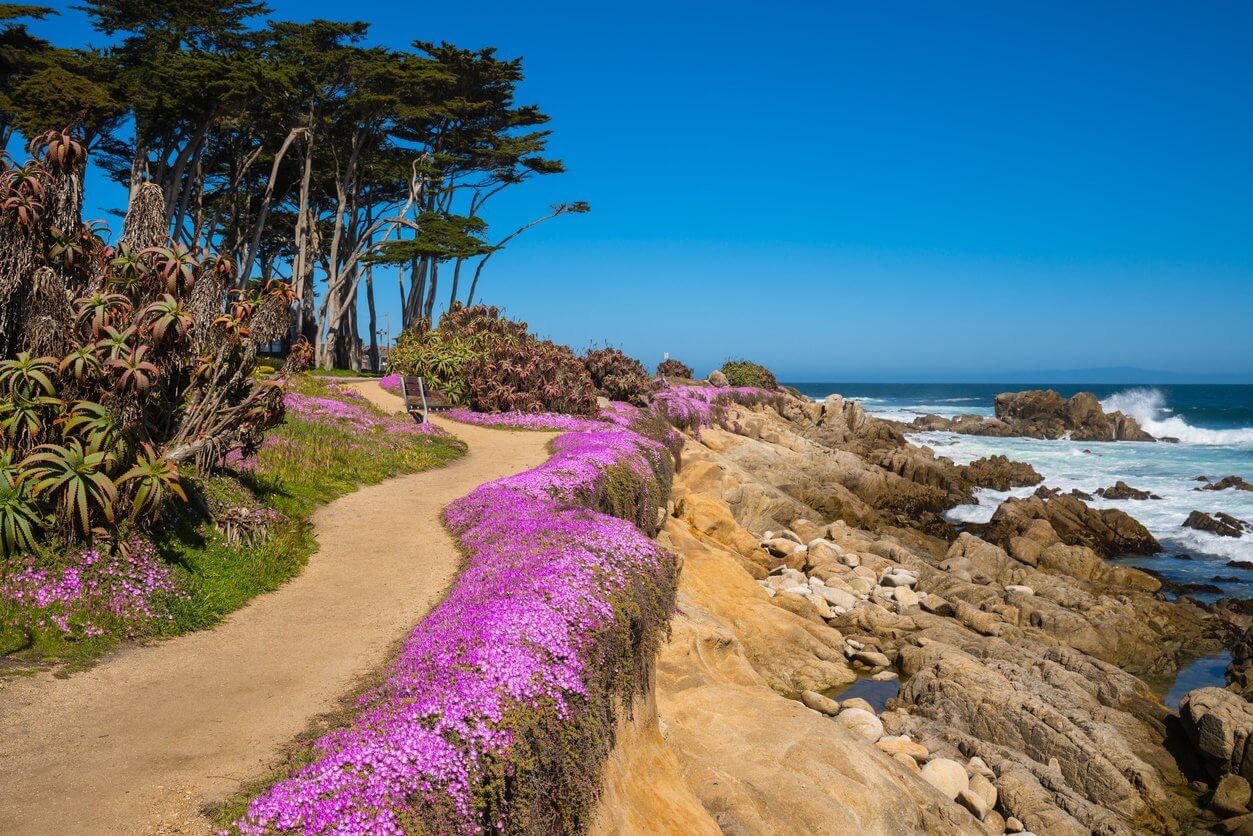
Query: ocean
{"x": 1214, "y": 425}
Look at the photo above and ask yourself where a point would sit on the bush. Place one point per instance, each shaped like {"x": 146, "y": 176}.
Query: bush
{"x": 618, "y": 376}
{"x": 674, "y": 368}
{"x": 483, "y": 360}
{"x": 118, "y": 365}
{"x": 745, "y": 373}
{"x": 530, "y": 376}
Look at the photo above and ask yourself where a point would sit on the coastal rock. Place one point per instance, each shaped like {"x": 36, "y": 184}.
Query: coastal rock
{"x": 1221, "y": 524}
{"x": 819, "y": 703}
{"x": 1227, "y": 482}
{"x": 1043, "y": 414}
{"x": 1107, "y": 531}
{"x": 1121, "y": 490}
{"x": 1219, "y": 724}
{"x": 717, "y": 378}
{"x": 1001, "y": 473}
{"x": 1046, "y": 414}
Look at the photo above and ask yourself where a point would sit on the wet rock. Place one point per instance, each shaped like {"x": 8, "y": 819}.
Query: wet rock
{"x": 1221, "y": 524}
{"x": 1121, "y": 490}
{"x": 1226, "y": 483}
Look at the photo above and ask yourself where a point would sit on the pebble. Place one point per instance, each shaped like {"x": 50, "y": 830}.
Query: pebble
{"x": 905, "y": 596}
{"x": 1019, "y": 589}
{"x": 871, "y": 659}
{"x": 856, "y": 702}
{"x": 1012, "y": 825}
{"x": 903, "y": 746}
{"x": 906, "y": 761}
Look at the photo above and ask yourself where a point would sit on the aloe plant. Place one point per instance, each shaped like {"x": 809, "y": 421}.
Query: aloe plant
{"x": 73, "y": 477}
{"x": 156, "y": 479}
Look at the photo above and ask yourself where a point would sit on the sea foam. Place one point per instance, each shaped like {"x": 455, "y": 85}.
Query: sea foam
{"x": 1148, "y": 407}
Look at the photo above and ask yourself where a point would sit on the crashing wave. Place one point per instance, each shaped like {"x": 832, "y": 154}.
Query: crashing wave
{"x": 1148, "y": 407}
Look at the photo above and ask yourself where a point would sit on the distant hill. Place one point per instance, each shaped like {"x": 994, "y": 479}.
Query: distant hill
{"x": 1114, "y": 375}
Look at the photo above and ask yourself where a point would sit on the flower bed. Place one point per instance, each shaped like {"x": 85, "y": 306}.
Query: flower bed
{"x": 499, "y": 712}
{"x": 693, "y": 407}
{"x": 92, "y": 593}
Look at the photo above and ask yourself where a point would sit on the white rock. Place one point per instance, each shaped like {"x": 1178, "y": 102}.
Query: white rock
{"x": 898, "y": 577}
{"x": 837, "y": 597}
{"x": 947, "y": 776}
{"x": 1019, "y": 589}
{"x": 803, "y": 591}
{"x": 862, "y": 722}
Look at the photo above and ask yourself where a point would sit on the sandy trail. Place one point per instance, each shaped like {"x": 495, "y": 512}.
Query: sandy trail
{"x": 142, "y": 741}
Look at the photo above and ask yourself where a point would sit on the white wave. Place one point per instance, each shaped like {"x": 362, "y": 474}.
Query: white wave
{"x": 1148, "y": 407}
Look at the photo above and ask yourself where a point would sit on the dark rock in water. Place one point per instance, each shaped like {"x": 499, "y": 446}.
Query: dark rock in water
{"x": 1041, "y": 413}
{"x": 1107, "y": 531}
{"x": 1225, "y": 483}
{"x": 1169, "y": 439}
{"x": 1078, "y": 494}
{"x": 1182, "y": 556}
{"x": 1221, "y": 524}
{"x": 1225, "y": 579}
{"x": 1087, "y": 451}
{"x": 1000, "y": 473}
{"x": 1121, "y": 490}
{"x": 1201, "y": 479}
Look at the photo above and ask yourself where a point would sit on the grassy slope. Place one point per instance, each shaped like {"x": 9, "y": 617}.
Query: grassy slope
{"x": 309, "y": 463}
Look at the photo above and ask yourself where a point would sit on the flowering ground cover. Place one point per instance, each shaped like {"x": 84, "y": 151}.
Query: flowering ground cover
{"x": 72, "y": 604}
{"x": 498, "y": 713}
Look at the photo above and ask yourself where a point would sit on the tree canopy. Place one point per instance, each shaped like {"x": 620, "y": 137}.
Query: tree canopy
{"x": 299, "y": 150}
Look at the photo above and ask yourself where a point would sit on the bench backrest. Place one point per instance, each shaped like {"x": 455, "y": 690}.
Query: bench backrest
{"x": 413, "y": 388}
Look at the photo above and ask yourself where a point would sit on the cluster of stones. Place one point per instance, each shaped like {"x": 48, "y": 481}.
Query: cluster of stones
{"x": 835, "y": 581}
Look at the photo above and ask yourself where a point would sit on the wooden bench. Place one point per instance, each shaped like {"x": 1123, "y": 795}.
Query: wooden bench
{"x": 421, "y": 400}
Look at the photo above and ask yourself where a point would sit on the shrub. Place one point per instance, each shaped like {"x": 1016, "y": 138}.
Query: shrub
{"x": 618, "y": 376}
{"x": 674, "y": 368}
{"x": 530, "y": 376}
{"x": 745, "y": 373}
{"x": 118, "y": 365}
{"x": 483, "y": 360}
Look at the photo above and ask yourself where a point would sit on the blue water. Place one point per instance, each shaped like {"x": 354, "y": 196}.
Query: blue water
{"x": 1214, "y": 424}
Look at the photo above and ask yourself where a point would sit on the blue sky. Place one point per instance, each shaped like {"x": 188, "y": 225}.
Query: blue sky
{"x": 875, "y": 191}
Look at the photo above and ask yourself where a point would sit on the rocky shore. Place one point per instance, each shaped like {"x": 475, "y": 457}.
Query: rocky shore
{"x": 1041, "y": 413}
{"x": 1015, "y": 657}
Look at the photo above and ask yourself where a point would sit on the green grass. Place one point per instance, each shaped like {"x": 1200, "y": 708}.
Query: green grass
{"x": 305, "y": 463}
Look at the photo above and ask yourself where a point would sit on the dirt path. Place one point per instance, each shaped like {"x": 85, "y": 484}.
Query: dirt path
{"x": 142, "y": 741}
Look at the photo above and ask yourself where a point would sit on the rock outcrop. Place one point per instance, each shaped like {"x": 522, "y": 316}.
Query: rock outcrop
{"x": 1225, "y": 483}
{"x": 1107, "y": 531}
{"x": 1001, "y": 473}
{"x": 1121, "y": 490}
{"x": 1224, "y": 525}
{"x": 1017, "y": 645}
{"x": 1041, "y": 413}
{"x": 1220, "y": 723}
